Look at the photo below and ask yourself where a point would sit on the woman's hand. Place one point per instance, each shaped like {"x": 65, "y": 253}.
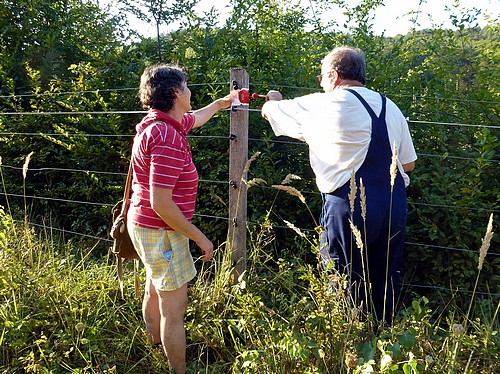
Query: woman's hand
{"x": 204, "y": 114}
{"x": 224, "y": 102}
{"x": 207, "y": 248}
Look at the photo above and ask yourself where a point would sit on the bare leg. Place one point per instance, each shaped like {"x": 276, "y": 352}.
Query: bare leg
{"x": 151, "y": 313}
{"x": 173, "y": 336}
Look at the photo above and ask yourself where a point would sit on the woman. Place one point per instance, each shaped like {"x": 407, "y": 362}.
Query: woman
{"x": 164, "y": 185}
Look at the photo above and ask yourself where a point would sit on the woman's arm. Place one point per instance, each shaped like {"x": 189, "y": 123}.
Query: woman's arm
{"x": 204, "y": 114}
{"x": 167, "y": 209}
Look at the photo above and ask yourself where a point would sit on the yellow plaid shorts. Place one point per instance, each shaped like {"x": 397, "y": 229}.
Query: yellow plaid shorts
{"x": 165, "y": 255}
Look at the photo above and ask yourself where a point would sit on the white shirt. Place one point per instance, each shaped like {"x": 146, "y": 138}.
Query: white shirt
{"x": 337, "y": 128}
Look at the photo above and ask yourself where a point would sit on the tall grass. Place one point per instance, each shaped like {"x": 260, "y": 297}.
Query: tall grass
{"x": 61, "y": 312}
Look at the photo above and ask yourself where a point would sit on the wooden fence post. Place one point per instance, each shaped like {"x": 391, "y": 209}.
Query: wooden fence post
{"x": 238, "y": 157}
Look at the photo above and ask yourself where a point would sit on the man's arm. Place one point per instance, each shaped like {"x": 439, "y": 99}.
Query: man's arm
{"x": 409, "y": 166}
{"x": 271, "y": 96}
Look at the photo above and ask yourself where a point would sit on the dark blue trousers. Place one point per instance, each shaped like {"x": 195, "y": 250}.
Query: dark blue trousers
{"x": 373, "y": 272}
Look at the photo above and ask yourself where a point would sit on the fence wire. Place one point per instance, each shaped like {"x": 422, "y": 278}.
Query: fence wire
{"x": 205, "y": 216}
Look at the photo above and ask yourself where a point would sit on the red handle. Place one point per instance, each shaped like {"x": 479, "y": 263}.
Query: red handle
{"x": 257, "y": 96}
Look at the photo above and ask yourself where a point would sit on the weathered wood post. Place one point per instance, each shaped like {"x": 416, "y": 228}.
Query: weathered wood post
{"x": 238, "y": 157}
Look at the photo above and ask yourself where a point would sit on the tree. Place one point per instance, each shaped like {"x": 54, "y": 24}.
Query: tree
{"x": 159, "y": 12}
{"x": 50, "y": 35}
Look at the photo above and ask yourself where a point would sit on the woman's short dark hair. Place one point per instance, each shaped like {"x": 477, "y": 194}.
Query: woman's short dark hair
{"x": 349, "y": 62}
{"x": 159, "y": 84}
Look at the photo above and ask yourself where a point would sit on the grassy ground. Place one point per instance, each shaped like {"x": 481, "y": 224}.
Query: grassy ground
{"x": 61, "y": 312}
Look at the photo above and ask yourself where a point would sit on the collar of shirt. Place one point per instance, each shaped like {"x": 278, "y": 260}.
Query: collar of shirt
{"x": 155, "y": 115}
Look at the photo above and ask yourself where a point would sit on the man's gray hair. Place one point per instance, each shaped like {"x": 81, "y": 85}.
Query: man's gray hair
{"x": 349, "y": 62}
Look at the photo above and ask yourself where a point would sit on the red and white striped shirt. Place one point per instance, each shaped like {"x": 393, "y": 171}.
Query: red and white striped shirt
{"x": 161, "y": 157}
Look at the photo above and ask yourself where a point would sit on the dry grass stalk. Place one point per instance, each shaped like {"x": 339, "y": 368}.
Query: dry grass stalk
{"x": 5, "y": 192}
{"x": 26, "y": 163}
{"x": 486, "y": 242}
{"x": 249, "y": 162}
{"x": 351, "y": 359}
{"x": 363, "y": 199}
{"x": 217, "y": 197}
{"x": 292, "y": 191}
{"x": 294, "y": 228}
{"x": 394, "y": 164}
{"x": 353, "y": 190}
{"x": 288, "y": 179}
{"x": 255, "y": 181}
{"x": 357, "y": 235}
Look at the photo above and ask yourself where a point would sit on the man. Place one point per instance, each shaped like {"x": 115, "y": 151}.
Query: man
{"x": 350, "y": 128}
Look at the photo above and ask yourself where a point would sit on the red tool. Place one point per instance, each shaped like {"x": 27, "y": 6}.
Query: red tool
{"x": 255, "y": 95}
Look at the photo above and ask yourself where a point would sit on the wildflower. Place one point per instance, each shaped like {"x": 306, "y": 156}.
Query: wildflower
{"x": 457, "y": 329}
{"x": 296, "y": 229}
{"x": 363, "y": 199}
{"x": 357, "y": 235}
{"x": 249, "y": 162}
{"x": 393, "y": 169}
{"x": 486, "y": 242}
{"x": 255, "y": 181}
{"x": 292, "y": 191}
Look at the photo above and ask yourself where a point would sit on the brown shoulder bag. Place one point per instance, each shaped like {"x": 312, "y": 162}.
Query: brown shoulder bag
{"x": 123, "y": 248}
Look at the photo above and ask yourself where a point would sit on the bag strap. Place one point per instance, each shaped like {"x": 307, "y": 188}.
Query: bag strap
{"x": 126, "y": 192}
{"x": 119, "y": 260}
{"x": 137, "y": 282}
{"x": 128, "y": 183}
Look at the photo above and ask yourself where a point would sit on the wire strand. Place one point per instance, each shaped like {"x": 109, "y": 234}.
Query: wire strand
{"x": 74, "y": 113}
{"x": 107, "y": 240}
{"x": 274, "y": 85}
{"x": 63, "y": 93}
{"x": 453, "y": 124}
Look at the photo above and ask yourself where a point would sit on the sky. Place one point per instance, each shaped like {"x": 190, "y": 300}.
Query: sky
{"x": 392, "y": 18}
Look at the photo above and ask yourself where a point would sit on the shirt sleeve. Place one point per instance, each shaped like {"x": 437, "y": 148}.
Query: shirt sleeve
{"x": 400, "y": 134}
{"x": 188, "y": 121}
{"x": 283, "y": 117}
{"x": 407, "y": 151}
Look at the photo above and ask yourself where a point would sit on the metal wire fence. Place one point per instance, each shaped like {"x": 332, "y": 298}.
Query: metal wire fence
{"x": 449, "y": 205}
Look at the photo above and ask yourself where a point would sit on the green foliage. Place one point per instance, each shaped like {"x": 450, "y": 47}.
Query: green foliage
{"x": 159, "y": 12}
{"x": 68, "y": 56}
{"x": 453, "y": 187}
{"x": 61, "y": 312}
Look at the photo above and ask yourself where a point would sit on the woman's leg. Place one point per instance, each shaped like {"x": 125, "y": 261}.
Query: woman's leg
{"x": 173, "y": 306}
{"x": 151, "y": 312}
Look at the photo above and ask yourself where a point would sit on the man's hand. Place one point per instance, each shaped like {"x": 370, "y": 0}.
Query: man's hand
{"x": 274, "y": 96}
